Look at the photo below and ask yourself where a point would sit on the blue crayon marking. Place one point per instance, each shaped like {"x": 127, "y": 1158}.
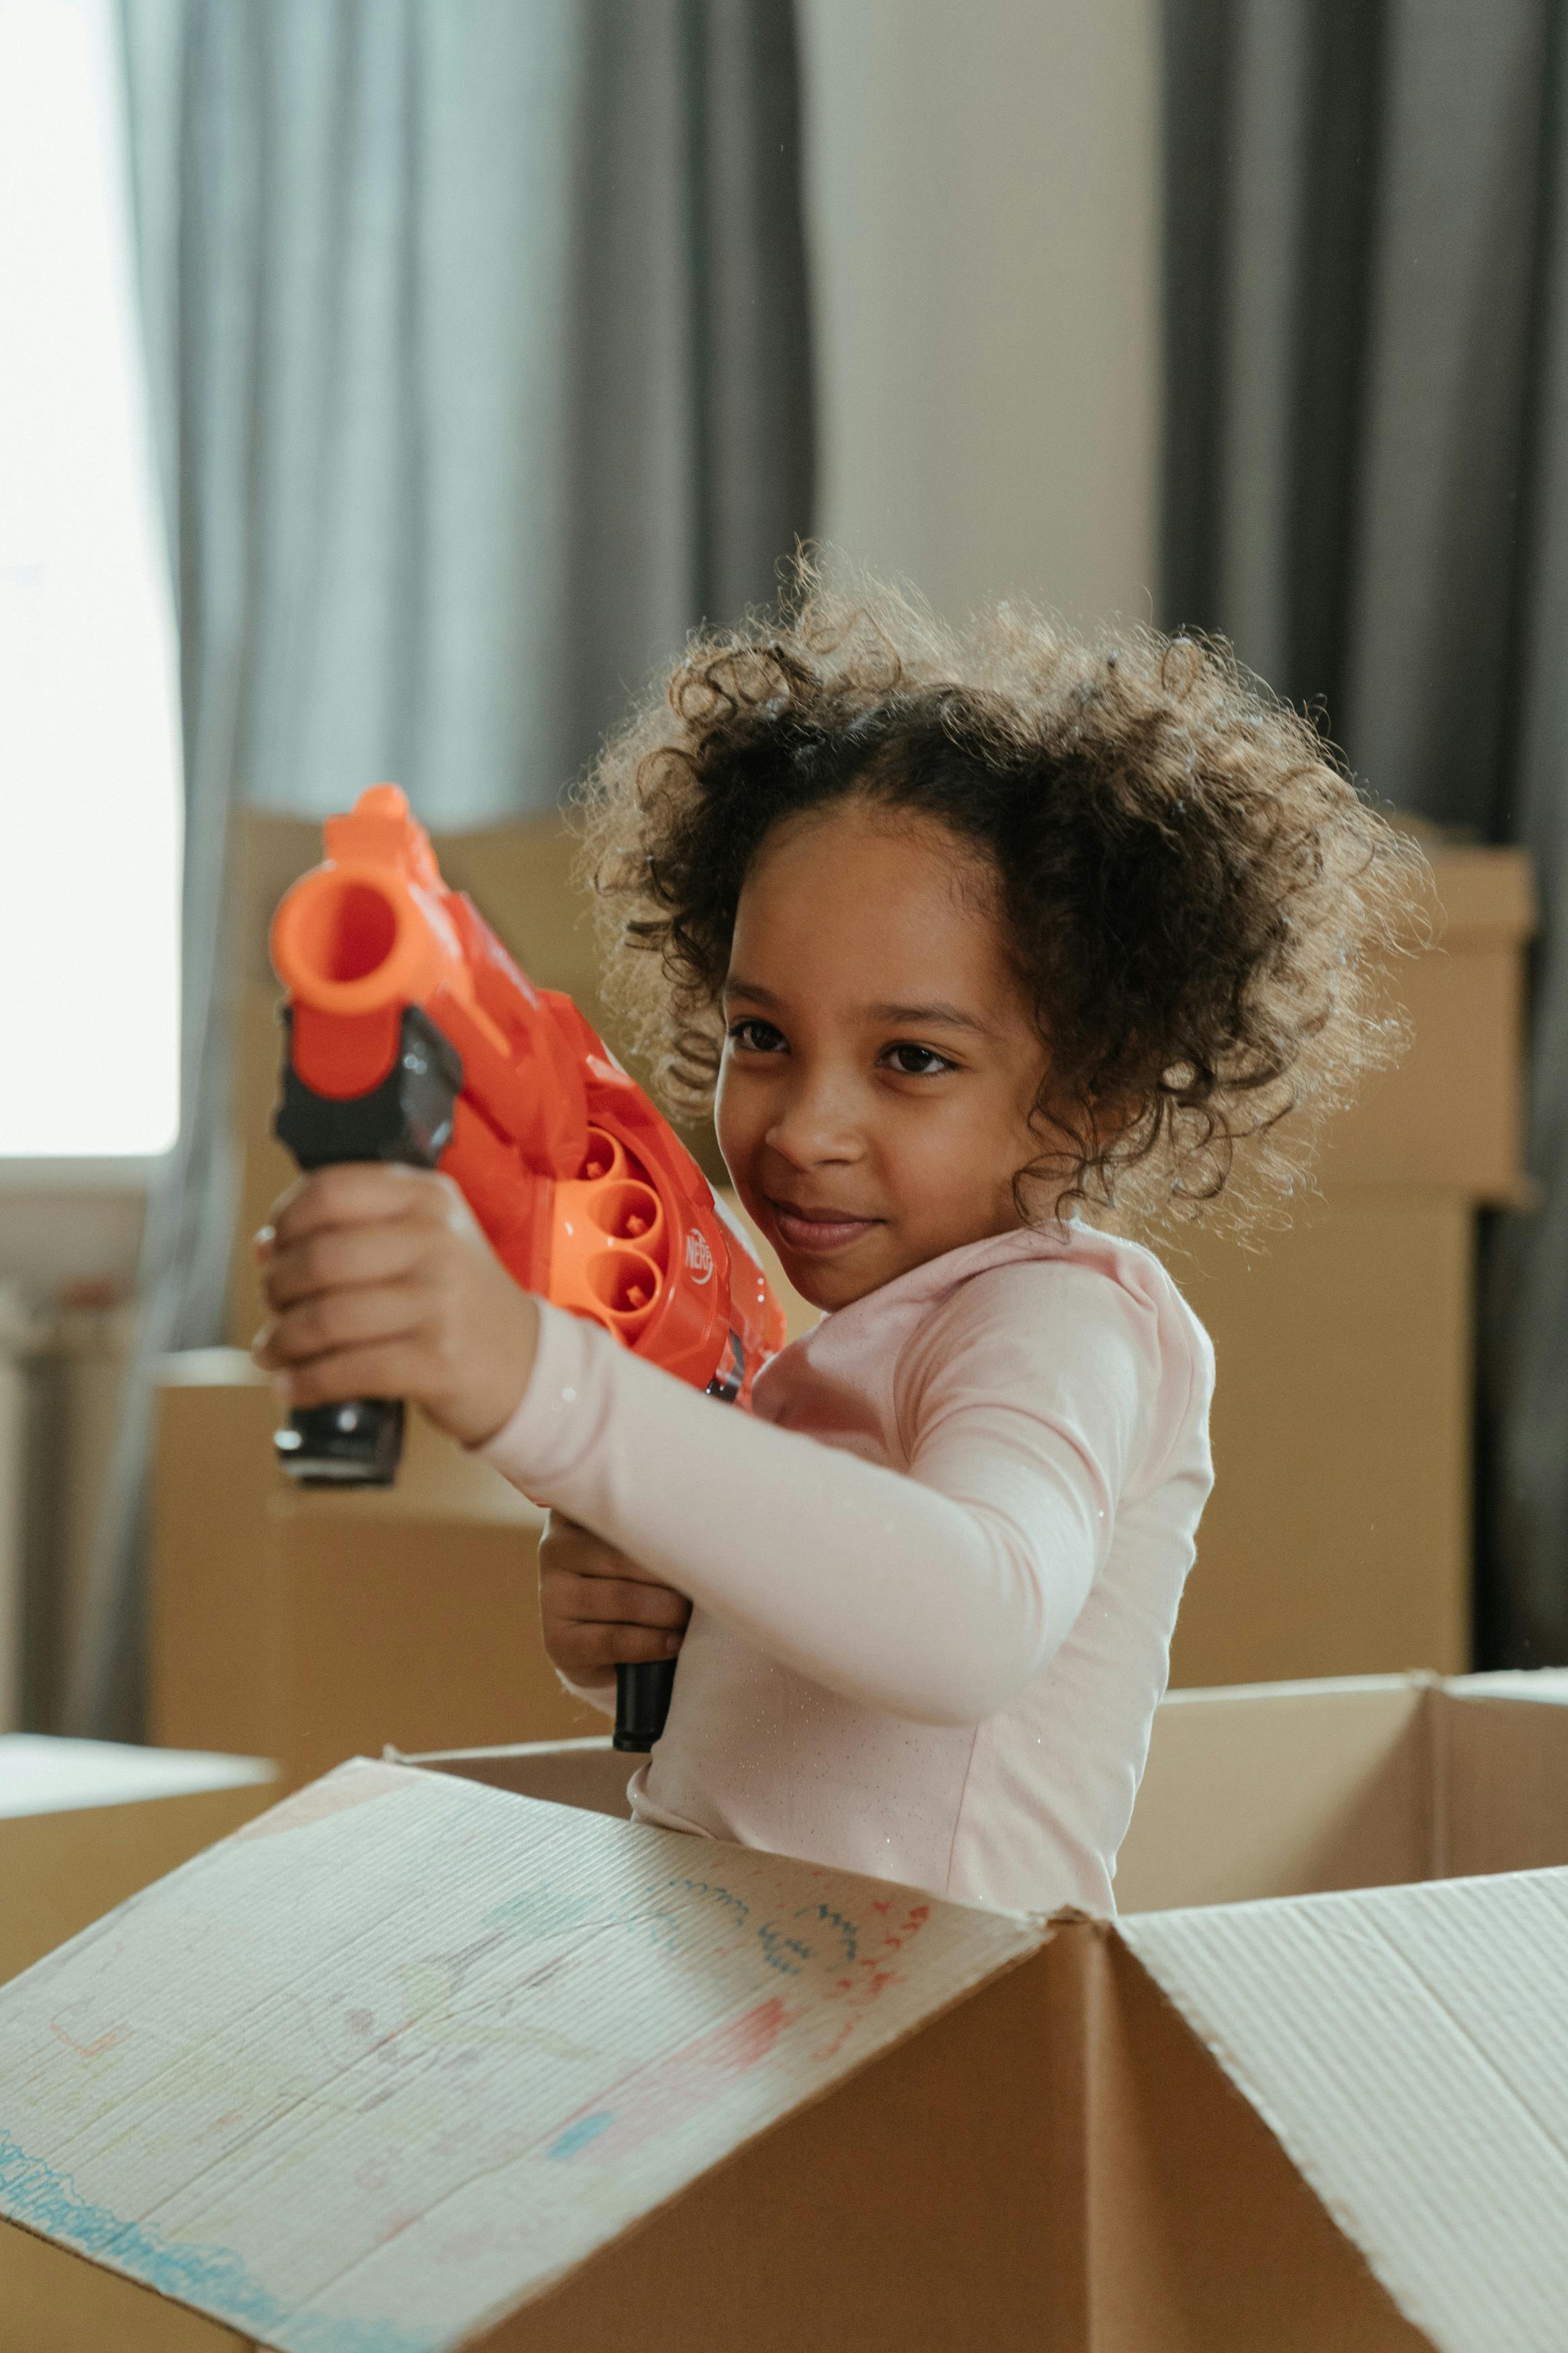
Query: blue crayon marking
{"x": 845, "y": 1930}
{"x": 790, "y": 1954}
{"x": 577, "y": 2135}
{"x": 215, "y": 2279}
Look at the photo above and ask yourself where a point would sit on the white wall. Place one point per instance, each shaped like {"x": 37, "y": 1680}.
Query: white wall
{"x": 983, "y": 187}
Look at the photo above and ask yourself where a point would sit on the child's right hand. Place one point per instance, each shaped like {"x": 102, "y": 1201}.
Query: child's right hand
{"x": 599, "y": 1609}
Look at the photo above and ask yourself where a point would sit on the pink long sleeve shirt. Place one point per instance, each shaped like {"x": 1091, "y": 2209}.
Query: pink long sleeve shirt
{"x": 933, "y": 1577}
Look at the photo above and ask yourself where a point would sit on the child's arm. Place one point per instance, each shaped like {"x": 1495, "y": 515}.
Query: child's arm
{"x": 936, "y": 1595}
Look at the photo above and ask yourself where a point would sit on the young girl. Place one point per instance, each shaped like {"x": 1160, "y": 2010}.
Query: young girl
{"x": 975, "y": 935}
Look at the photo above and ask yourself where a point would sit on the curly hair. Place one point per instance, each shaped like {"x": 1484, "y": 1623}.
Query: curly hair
{"x": 1193, "y": 894}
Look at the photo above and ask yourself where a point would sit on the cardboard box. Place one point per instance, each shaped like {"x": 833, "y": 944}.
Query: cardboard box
{"x": 85, "y": 1823}
{"x": 1338, "y": 1538}
{"x": 501, "y": 2071}
{"x": 312, "y": 1626}
{"x": 1450, "y": 1114}
{"x": 1285, "y": 1790}
{"x": 307, "y": 1626}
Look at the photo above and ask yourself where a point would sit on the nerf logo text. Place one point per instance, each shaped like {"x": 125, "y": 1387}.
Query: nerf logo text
{"x": 699, "y": 1257}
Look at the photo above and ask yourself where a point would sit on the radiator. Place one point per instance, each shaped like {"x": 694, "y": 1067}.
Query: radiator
{"x": 61, "y": 1376}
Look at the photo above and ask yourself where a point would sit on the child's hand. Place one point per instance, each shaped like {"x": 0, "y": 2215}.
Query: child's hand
{"x": 380, "y": 1285}
{"x": 599, "y": 1609}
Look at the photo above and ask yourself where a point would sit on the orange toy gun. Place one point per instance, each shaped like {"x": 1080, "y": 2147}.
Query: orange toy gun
{"x": 413, "y": 1037}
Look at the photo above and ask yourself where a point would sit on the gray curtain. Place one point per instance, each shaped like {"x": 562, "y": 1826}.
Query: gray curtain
{"x": 1367, "y": 489}
{"x": 479, "y": 351}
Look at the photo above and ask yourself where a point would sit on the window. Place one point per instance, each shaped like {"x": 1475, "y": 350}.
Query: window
{"x": 88, "y": 744}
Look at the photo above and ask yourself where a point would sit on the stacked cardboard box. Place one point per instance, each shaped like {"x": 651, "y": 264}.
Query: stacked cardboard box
{"x": 85, "y": 1823}
{"x": 1339, "y": 1536}
{"x": 436, "y": 2054}
{"x": 307, "y": 1625}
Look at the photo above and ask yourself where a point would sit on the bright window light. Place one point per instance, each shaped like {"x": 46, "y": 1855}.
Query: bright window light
{"x": 89, "y": 822}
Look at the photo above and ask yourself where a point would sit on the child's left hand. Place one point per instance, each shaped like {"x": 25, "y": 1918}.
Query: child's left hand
{"x": 382, "y": 1285}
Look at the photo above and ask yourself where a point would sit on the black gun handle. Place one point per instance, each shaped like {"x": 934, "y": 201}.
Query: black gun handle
{"x": 356, "y": 1444}
{"x": 642, "y": 1703}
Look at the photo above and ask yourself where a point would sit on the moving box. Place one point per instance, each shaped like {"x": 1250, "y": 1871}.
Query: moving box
{"x": 440, "y": 2054}
{"x": 307, "y": 1624}
{"x": 85, "y": 1823}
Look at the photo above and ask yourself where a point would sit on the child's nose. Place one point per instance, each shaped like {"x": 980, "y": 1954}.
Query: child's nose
{"x": 817, "y": 1120}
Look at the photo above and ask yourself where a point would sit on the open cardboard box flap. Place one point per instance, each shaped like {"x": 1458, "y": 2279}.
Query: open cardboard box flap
{"x": 1399, "y": 2044}
{"x": 406, "y": 2062}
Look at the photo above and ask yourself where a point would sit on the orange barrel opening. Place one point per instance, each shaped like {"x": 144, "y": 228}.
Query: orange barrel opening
{"x": 627, "y": 1212}
{"x": 604, "y": 1157}
{"x": 343, "y": 929}
{"x": 625, "y": 1284}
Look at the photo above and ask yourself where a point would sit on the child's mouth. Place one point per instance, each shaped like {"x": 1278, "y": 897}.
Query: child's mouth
{"x": 817, "y": 1230}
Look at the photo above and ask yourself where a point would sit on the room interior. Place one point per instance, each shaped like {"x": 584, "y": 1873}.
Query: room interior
{"x": 476, "y": 358}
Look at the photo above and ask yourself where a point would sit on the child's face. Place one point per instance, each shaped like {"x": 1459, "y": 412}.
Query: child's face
{"x": 881, "y": 1063}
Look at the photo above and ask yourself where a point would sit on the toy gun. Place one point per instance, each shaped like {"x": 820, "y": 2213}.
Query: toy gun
{"x": 413, "y": 1037}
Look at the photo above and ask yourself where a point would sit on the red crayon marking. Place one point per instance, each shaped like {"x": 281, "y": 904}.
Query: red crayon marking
{"x": 664, "y": 2094}
{"x": 95, "y": 2049}
{"x": 831, "y": 2050}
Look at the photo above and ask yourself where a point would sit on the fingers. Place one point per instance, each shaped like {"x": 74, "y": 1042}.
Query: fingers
{"x": 614, "y": 1602}
{"x": 585, "y": 1653}
{"x": 337, "y": 1320}
{"x": 601, "y": 1610}
{"x": 383, "y": 1284}
{"x": 392, "y": 1369}
{"x": 358, "y": 1193}
{"x": 339, "y": 1256}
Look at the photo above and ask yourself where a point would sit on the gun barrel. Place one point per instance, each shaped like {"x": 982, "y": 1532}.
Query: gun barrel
{"x": 373, "y": 931}
{"x": 356, "y": 939}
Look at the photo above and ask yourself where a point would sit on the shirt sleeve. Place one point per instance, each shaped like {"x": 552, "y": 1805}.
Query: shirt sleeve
{"x": 935, "y": 1594}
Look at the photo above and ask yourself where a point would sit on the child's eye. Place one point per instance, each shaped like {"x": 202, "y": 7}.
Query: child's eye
{"x": 758, "y": 1037}
{"x": 917, "y": 1061}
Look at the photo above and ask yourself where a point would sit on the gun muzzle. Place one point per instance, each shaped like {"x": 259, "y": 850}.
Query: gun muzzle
{"x": 356, "y": 939}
